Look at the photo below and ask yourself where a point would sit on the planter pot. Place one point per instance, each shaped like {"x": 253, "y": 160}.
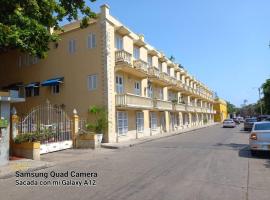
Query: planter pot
{"x": 99, "y": 138}
{"x": 87, "y": 141}
{"x": 30, "y": 150}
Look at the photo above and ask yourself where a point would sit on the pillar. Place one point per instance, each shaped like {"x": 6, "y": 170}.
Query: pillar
{"x": 180, "y": 119}
{"x": 167, "y": 121}
{"x": 14, "y": 123}
{"x": 190, "y": 119}
{"x": 146, "y": 118}
{"x": 165, "y": 93}
{"x": 75, "y": 128}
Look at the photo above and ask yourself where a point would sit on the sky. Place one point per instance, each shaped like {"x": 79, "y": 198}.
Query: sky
{"x": 223, "y": 43}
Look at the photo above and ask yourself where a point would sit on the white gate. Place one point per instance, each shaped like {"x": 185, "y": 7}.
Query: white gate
{"x": 52, "y": 123}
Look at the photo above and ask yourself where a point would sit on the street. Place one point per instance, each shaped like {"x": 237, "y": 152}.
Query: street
{"x": 210, "y": 163}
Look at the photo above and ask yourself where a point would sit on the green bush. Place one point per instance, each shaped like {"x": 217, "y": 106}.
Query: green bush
{"x": 28, "y": 137}
{"x": 101, "y": 120}
{"x": 33, "y": 137}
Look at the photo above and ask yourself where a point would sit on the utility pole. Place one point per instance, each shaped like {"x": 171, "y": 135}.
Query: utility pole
{"x": 260, "y": 99}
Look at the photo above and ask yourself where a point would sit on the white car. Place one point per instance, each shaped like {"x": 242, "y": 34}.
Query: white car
{"x": 229, "y": 123}
{"x": 259, "y": 138}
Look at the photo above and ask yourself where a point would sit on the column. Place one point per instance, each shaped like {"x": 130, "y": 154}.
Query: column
{"x": 75, "y": 128}
{"x": 146, "y": 122}
{"x": 167, "y": 121}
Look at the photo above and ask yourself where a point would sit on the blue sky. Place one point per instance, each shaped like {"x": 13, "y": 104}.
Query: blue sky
{"x": 224, "y": 43}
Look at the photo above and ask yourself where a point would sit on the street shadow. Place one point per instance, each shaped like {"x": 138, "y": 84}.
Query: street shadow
{"x": 244, "y": 151}
{"x": 233, "y": 146}
{"x": 267, "y": 164}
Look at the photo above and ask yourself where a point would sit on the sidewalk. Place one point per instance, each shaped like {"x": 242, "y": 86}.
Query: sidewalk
{"x": 131, "y": 143}
{"x": 10, "y": 169}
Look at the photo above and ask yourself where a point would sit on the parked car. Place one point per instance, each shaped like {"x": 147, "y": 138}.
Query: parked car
{"x": 229, "y": 123}
{"x": 259, "y": 139}
{"x": 236, "y": 120}
{"x": 248, "y": 124}
{"x": 262, "y": 117}
{"x": 267, "y": 119}
{"x": 241, "y": 119}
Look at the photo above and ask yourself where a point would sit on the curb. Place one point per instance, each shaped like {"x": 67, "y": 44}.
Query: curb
{"x": 31, "y": 169}
{"x": 152, "y": 139}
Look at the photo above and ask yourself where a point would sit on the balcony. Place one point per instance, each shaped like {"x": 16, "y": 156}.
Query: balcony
{"x": 162, "y": 104}
{"x": 123, "y": 62}
{"x": 122, "y": 58}
{"x": 133, "y": 101}
{"x": 140, "y": 65}
{"x": 179, "y": 107}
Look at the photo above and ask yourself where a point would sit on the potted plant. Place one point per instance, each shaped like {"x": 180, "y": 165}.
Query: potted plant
{"x": 100, "y": 121}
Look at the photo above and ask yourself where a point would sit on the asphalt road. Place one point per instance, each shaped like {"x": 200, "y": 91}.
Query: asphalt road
{"x": 211, "y": 163}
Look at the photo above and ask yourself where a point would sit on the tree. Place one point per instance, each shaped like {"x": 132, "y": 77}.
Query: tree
{"x": 266, "y": 96}
{"x": 25, "y": 25}
{"x": 231, "y": 108}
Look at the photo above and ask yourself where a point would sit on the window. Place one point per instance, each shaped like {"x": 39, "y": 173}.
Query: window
{"x": 91, "y": 41}
{"x": 122, "y": 123}
{"x": 168, "y": 70}
{"x": 31, "y": 91}
{"x": 119, "y": 84}
{"x": 137, "y": 88}
{"x": 55, "y": 89}
{"x": 136, "y": 53}
{"x": 140, "y": 121}
{"x": 28, "y": 92}
{"x": 118, "y": 42}
{"x": 92, "y": 82}
{"x": 153, "y": 120}
{"x": 160, "y": 66}
{"x": 72, "y": 46}
{"x": 36, "y": 91}
{"x": 149, "y": 61}
{"x": 150, "y": 91}
{"x": 160, "y": 91}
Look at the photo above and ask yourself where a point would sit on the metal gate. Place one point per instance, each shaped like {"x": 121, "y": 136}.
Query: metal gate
{"x": 52, "y": 124}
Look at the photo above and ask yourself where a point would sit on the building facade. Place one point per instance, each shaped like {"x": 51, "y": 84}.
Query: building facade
{"x": 106, "y": 64}
{"x": 220, "y": 106}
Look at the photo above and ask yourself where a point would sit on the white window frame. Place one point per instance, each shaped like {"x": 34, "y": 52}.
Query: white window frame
{"x": 160, "y": 66}
{"x": 136, "y": 52}
{"x": 150, "y": 61}
{"x": 150, "y": 91}
{"x": 122, "y": 123}
{"x": 119, "y": 86}
{"x": 54, "y": 89}
{"x": 168, "y": 70}
{"x": 161, "y": 96}
{"x": 72, "y": 46}
{"x": 153, "y": 120}
{"x": 119, "y": 42}
{"x": 92, "y": 82}
{"x": 140, "y": 122}
{"x": 137, "y": 88}
{"x": 91, "y": 41}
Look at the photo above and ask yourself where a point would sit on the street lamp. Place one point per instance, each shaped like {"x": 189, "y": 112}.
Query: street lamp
{"x": 260, "y": 101}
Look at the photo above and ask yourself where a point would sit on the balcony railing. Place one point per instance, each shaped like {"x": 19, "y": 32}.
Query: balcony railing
{"x": 165, "y": 77}
{"x": 122, "y": 56}
{"x": 162, "y": 105}
{"x": 140, "y": 64}
{"x": 131, "y": 100}
{"x": 153, "y": 71}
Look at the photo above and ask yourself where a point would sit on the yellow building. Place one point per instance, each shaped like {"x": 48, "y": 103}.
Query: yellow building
{"x": 220, "y": 106}
{"x": 107, "y": 64}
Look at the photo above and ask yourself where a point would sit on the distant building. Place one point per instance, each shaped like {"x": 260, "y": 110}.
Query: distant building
{"x": 220, "y": 106}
